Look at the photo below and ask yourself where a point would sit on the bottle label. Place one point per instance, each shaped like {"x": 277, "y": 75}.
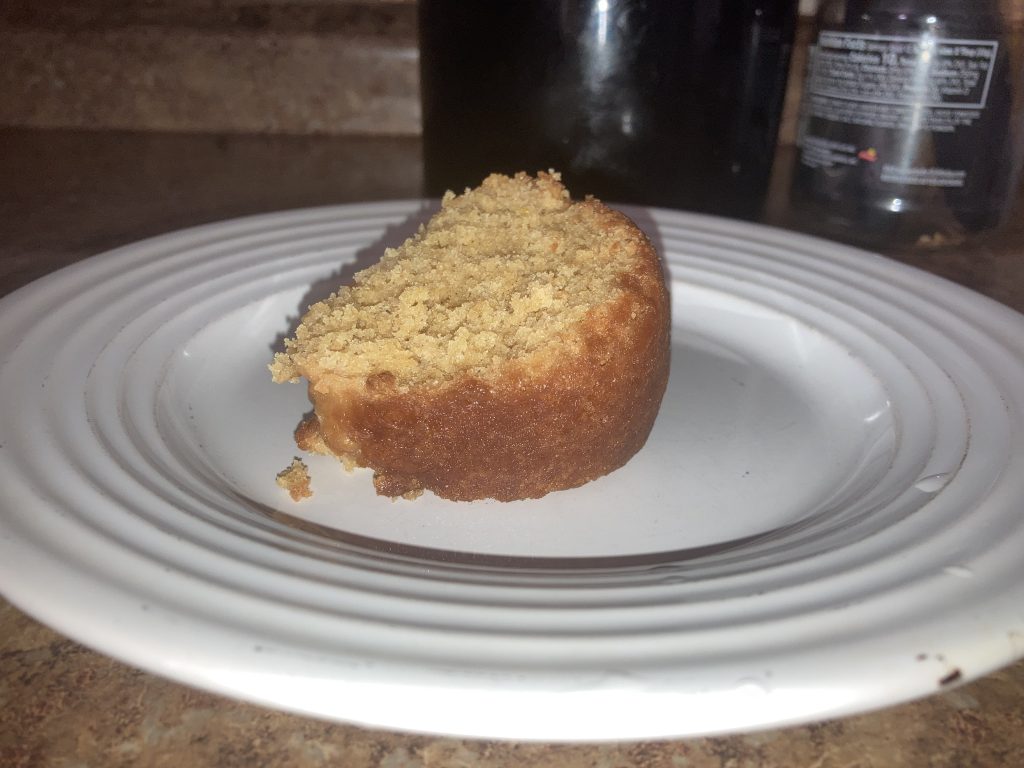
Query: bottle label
{"x": 899, "y": 85}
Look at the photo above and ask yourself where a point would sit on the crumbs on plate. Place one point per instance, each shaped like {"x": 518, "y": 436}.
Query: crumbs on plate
{"x": 295, "y": 480}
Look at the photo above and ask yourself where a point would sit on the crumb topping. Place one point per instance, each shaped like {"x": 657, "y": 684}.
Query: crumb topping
{"x": 502, "y": 273}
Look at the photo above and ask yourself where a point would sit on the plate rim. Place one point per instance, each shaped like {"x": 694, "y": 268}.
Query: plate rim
{"x": 134, "y": 651}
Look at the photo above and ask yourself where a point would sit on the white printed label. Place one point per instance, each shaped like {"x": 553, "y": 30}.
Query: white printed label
{"x": 923, "y": 71}
{"x": 923, "y": 177}
{"x": 877, "y": 103}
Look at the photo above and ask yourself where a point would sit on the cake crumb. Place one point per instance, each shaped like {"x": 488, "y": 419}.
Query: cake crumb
{"x": 295, "y": 480}
{"x": 939, "y": 240}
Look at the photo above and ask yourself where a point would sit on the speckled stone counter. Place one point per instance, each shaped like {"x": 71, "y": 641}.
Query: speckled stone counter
{"x": 66, "y": 195}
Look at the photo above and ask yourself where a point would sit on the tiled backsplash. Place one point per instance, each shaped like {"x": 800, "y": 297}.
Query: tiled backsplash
{"x": 341, "y": 67}
{"x": 279, "y": 66}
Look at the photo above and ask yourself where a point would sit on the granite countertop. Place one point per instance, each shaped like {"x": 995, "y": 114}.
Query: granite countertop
{"x": 65, "y": 195}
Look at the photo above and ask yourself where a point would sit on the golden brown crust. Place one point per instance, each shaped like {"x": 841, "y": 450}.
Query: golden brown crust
{"x": 519, "y": 436}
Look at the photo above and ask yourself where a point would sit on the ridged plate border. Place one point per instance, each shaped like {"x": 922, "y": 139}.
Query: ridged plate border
{"x": 122, "y": 543}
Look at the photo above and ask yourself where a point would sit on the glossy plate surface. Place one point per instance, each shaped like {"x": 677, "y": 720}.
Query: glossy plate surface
{"x": 827, "y": 517}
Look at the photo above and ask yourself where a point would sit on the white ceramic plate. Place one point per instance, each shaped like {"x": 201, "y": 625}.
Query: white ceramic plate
{"x": 827, "y": 517}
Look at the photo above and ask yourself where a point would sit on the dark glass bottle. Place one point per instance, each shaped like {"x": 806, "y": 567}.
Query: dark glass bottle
{"x": 656, "y": 102}
{"x": 908, "y": 125}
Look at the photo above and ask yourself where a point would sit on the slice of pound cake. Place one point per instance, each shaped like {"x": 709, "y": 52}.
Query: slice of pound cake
{"x": 517, "y": 345}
